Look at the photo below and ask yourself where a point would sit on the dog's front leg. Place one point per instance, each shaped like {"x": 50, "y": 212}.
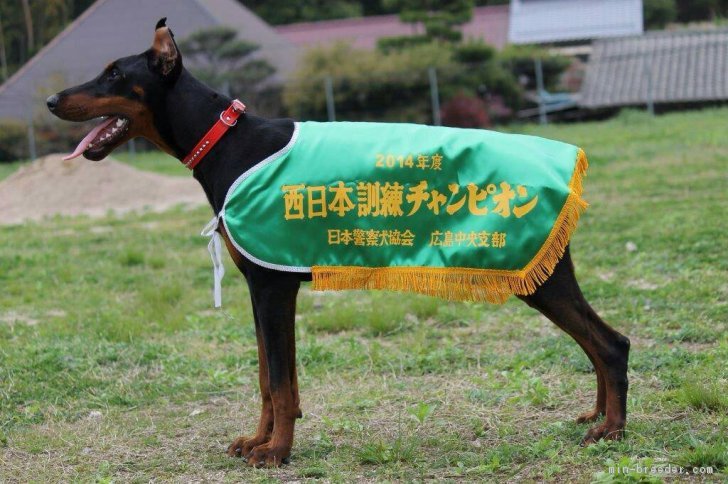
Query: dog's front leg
{"x": 274, "y": 295}
{"x": 242, "y": 446}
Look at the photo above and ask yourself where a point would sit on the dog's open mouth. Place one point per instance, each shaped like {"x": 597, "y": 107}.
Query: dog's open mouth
{"x": 105, "y": 135}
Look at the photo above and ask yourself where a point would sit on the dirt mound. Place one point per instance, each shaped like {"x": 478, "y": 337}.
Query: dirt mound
{"x": 50, "y": 186}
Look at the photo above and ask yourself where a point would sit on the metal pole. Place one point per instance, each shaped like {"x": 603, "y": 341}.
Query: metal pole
{"x": 434, "y": 96}
{"x": 329, "y": 88}
{"x": 650, "y": 87}
{"x": 132, "y": 148}
{"x": 31, "y": 140}
{"x": 539, "y": 86}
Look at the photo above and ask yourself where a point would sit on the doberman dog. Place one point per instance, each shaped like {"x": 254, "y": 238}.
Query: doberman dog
{"x": 151, "y": 95}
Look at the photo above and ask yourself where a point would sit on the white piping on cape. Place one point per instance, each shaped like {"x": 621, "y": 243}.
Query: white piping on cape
{"x": 210, "y": 230}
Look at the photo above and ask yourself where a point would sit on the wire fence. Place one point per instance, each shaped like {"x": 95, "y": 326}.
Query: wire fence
{"x": 641, "y": 77}
{"x": 418, "y": 97}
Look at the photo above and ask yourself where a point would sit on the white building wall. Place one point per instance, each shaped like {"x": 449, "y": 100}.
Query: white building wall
{"x": 545, "y": 21}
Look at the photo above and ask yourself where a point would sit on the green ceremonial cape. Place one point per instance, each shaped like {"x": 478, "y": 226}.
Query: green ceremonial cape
{"x": 464, "y": 214}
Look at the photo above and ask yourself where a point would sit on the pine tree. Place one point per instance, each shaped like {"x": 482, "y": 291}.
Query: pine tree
{"x": 440, "y": 19}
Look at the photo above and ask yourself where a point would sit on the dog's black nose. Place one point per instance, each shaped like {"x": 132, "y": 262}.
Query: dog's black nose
{"x": 52, "y": 102}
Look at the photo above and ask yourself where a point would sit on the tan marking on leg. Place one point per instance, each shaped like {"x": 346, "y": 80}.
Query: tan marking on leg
{"x": 242, "y": 446}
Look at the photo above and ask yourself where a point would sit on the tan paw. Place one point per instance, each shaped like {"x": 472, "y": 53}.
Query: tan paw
{"x": 242, "y": 446}
{"x": 269, "y": 455}
{"x": 592, "y": 416}
{"x": 606, "y": 431}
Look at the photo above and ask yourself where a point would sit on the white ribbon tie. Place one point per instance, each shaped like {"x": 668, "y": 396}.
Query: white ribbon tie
{"x": 215, "y": 249}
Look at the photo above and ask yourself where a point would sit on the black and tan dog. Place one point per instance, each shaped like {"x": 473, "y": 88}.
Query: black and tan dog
{"x": 151, "y": 95}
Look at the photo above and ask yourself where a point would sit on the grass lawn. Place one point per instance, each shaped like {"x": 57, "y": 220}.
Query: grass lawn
{"x": 113, "y": 366}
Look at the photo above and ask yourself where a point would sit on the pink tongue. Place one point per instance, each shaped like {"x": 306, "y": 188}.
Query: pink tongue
{"x": 88, "y": 139}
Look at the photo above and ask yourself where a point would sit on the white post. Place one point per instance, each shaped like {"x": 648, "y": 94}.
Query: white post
{"x": 330, "y": 107}
{"x": 32, "y": 153}
{"x": 650, "y": 87}
{"x": 434, "y": 96}
{"x": 539, "y": 86}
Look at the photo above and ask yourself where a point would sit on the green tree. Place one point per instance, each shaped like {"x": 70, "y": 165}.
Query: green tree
{"x": 440, "y": 19}
{"x": 277, "y": 12}
{"x": 659, "y": 13}
{"x": 28, "y": 18}
{"x": 28, "y": 25}
{"x": 226, "y": 63}
{"x": 3, "y": 51}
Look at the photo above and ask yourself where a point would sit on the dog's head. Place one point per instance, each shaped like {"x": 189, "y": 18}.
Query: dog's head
{"x": 125, "y": 95}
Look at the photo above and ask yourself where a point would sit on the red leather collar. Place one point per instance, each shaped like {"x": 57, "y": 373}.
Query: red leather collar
{"x": 228, "y": 119}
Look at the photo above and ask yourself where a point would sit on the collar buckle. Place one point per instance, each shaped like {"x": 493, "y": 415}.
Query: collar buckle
{"x": 238, "y": 106}
{"x": 225, "y": 119}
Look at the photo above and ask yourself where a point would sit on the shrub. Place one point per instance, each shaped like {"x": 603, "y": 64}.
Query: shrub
{"x": 519, "y": 60}
{"x": 394, "y": 86}
{"x": 367, "y": 84}
{"x": 463, "y": 111}
{"x": 474, "y": 52}
{"x": 53, "y": 135}
{"x": 13, "y": 141}
{"x": 700, "y": 10}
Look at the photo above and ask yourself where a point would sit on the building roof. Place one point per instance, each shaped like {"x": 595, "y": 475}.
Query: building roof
{"x": 546, "y": 21}
{"x": 665, "y": 67}
{"x": 488, "y": 23}
{"x": 114, "y": 28}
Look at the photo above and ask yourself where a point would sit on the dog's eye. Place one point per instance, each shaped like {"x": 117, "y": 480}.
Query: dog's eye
{"x": 113, "y": 74}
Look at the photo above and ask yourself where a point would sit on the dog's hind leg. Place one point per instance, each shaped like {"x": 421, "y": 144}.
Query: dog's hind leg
{"x": 560, "y": 299}
{"x": 294, "y": 375}
{"x": 275, "y": 294}
{"x": 601, "y": 404}
{"x": 243, "y": 445}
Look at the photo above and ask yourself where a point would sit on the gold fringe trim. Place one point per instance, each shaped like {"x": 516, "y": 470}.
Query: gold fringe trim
{"x": 468, "y": 284}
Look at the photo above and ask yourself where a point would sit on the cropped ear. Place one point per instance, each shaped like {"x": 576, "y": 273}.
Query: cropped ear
{"x": 164, "y": 56}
